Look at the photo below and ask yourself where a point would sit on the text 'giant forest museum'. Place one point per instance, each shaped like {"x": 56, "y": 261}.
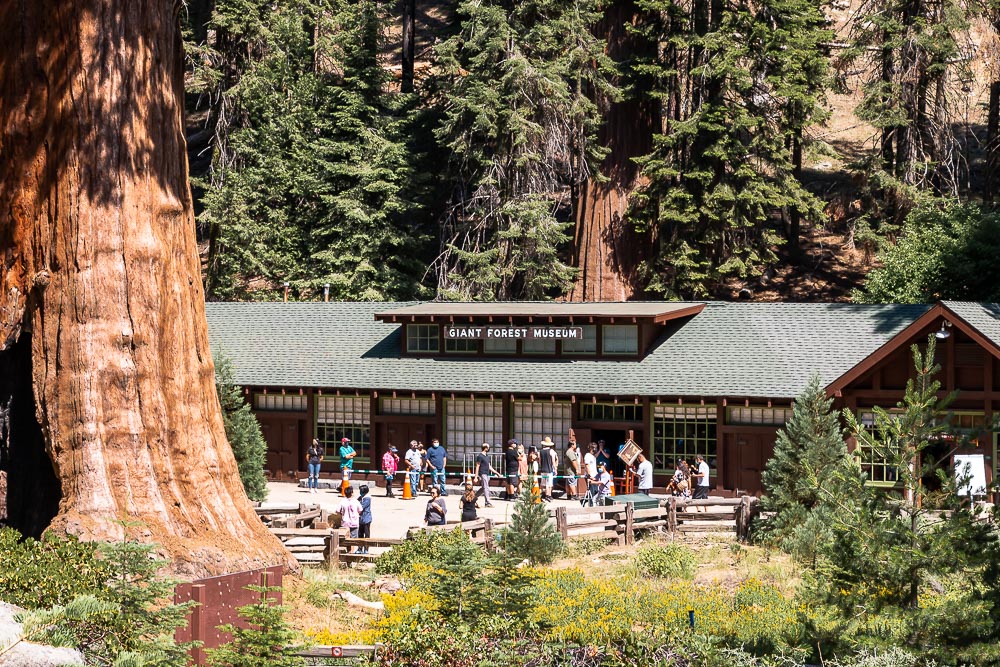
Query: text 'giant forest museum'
{"x": 716, "y": 379}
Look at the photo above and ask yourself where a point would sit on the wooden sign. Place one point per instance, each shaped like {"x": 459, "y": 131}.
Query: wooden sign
{"x": 479, "y": 332}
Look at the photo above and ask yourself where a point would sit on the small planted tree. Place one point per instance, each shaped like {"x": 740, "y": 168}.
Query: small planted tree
{"x": 808, "y": 455}
{"x": 530, "y": 536}
{"x": 242, "y": 431}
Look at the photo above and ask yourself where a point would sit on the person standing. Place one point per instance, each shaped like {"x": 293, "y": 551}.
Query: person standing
{"x": 590, "y": 464}
{"x": 484, "y": 469}
{"x": 436, "y": 510}
{"x": 390, "y": 464}
{"x": 512, "y": 465}
{"x": 437, "y": 459}
{"x": 701, "y": 489}
{"x": 645, "y": 473}
{"x": 572, "y": 471}
{"x": 469, "y": 504}
{"x": 547, "y": 468}
{"x": 413, "y": 466}
{"x": 314, "y": 457}
{"x": 603, "y": 484}
{"x": 423, "y": 466}
{"x": 350, "y": 513}
{"x": 365, "y": 518}
{"x": 347, "y": 455}
{"x": 522, "y": 467}
{"x": 602, "y": 454}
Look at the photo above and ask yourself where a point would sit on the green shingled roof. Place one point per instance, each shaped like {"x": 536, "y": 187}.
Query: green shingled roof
{"x": 984, "y": 317}
{"x": 730, "y": 349}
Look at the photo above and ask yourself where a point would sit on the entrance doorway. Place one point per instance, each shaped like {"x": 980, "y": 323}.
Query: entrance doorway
{"x": 285, "y": 454}
{"x": 399, "y": 434}
{"x": 614, "y": 439}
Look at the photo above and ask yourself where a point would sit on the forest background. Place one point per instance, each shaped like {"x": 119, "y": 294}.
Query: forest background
{"x": 595, "y": 149}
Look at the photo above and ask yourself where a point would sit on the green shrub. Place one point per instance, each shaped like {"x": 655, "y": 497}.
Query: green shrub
{"x": 585, "y": 546}
{"x": 423, "y": 547}
{"x": 242, "y": 431}
{"x": 667, "y": 561}
{"x": 530, "y": 535}
{"x": 35, "y": 574}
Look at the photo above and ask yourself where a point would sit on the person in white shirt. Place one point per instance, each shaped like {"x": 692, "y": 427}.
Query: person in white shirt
{"x": 645, "y": 473}
{"x": 701, "y": 490}
{"x": 590, "y": 466}
{"x": 603, "y": 484}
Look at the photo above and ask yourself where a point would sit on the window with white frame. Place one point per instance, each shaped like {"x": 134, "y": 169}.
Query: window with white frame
{"x": 282, "y": 402}
{"x": 534, "y": 420}
{"x": 620, "y": 339}
{"x": 407, "y": 406}
{"x": 877, "y": 465}
{"x": 422, "y": 338}
{"x": 585, "y": 345}
{"x": 755, "y": 416}
{"x": 500, "y": 346}
{"x": 468, "y": 424}
{"x": 340, "y": 417}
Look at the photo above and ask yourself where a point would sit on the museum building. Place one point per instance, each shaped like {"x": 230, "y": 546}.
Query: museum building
{"x": 679, "y": 378}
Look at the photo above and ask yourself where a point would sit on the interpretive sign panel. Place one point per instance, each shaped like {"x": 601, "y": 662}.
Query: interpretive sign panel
{"x": 480, "y": 332}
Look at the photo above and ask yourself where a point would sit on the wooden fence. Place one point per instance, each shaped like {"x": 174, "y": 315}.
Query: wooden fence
{"x": 219, "y": 599}
{"x": 620, "y": 522}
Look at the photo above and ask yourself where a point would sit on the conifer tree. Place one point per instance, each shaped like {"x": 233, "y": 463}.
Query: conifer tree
{"x": 809, "y": 454}
{"x": 517, "y": 85}
{"x": 530, "y": 534}
{"x": 242, "y": 431}
{"x": 737, "y": 83}
{"x": 312, "y": 181}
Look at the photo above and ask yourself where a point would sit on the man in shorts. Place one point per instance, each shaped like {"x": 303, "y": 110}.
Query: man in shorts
{"x": 572, "y": 471}
{"x": 511, "y": 463}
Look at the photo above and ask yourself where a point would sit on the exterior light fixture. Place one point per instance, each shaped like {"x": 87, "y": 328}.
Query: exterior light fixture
{"x": 943, "y": 332}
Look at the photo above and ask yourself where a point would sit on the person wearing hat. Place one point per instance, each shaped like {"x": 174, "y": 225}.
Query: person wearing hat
{"x": 603, "y": 483}
{"x": 390, "y": 464}
{"x": 547, "y": 465}
{"x": 414, "y": 465}
{"x": 347, "y": 455}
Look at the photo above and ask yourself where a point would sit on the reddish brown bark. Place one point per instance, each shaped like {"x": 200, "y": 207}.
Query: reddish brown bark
{"x": 607, "y": 250}
{"x": 100, "y": 293}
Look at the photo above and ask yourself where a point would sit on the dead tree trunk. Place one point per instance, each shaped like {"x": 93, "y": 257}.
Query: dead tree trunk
{"x": 409, "y": 50}
{"x": 103, "y": 341}
{"x": 993, "y": 143}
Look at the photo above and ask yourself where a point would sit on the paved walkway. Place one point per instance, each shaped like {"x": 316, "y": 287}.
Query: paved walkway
{"x": 391, "y": 517}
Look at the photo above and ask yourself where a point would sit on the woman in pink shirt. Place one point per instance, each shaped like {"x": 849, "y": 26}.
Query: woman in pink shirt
{"x": 350, "y": 512}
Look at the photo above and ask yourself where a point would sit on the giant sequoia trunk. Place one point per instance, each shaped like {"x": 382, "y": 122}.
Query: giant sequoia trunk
{"x": 105, "y": 360}
{"x": 607, "y": 250}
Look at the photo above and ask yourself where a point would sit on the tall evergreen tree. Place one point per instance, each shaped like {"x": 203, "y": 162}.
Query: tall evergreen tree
{"x": 242, "y": 431}
{"x": 738, "y": 82}
{"x": 530, "y": 535}
{"x": 516, "y": 87}
{"x": 313, "y": 178}
{"x": 809, "y": 455}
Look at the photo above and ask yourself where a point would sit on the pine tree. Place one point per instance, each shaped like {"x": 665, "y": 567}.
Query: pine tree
{"x": 313, "y": 178}
{"x": 809, "y": 454}
{"x": 242, "y": 431}
{"x": 737, "y": 83}
{"x": 530, "y": 534}
{"x": 266, "y": 639}
{"x": 517, "y": 85}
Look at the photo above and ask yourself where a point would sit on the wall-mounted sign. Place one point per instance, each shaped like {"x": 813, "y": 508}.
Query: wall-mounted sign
{"x": 480, "y": 332}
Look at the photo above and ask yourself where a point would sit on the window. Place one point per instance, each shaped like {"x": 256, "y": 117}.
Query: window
{"x": 758, "y": 416}
{"x": 878, "y": 468}
{"x": 500, "y": 345}
{"x": 585, "y": 345}
{"x": 407, "y": 406}
{"x": 468, "y": 424}
{"x": 539, "y": 346}
{"x": 422, "y": 338}
{"x": 682, "y": 432}
{"x": 534, "y": 420}
{"x": 287, "y": 402}
{"x": 461, "y": 345}
{"x": 621, "y": 339}
{"x": 610, "y": 412}
{"x": 343, "y": 417}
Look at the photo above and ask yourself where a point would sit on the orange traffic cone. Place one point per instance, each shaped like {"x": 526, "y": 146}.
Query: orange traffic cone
{"x": 536, "y": 491}
{"x": 343, "y": 485}
{"x": 611, "y": 488}
{"x": 407, "y": 488}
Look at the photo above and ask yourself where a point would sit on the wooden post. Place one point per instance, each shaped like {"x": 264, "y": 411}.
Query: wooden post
{"x": 488, "y": 535}
{"x": 629, "y": 535}
{"x": 199, "y": 631}
{"x": 672, "y": 515}
{"x": 562, "y": 524}
{"x": 333, "y": 557}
